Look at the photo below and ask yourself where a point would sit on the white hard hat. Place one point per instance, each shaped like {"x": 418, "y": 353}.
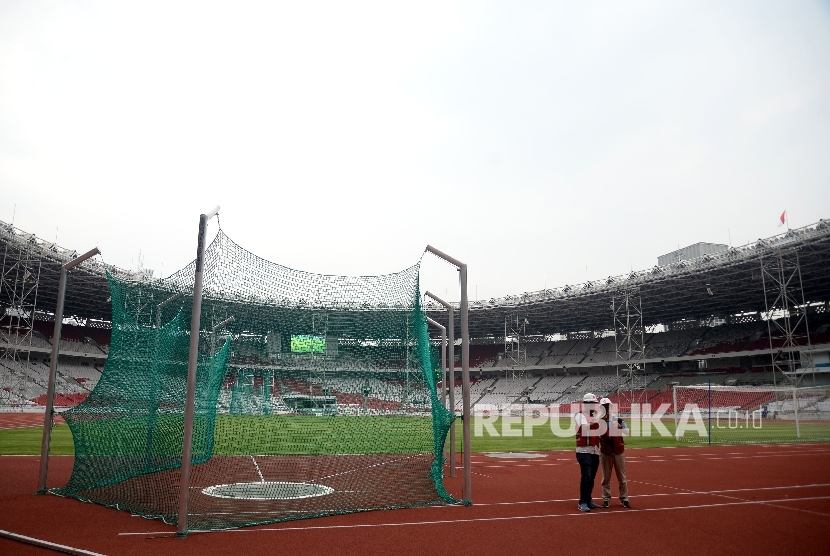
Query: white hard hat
{"x": 605, "y": 401}
{"x": 589, "y": 398}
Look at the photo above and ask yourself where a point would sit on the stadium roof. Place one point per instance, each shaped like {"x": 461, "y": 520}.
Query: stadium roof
{"x": 87, "y": 293}
{"x": 717, "y": 285}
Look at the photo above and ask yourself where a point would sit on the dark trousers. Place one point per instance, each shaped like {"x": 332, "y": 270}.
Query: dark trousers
{"x": 588, "y": 465}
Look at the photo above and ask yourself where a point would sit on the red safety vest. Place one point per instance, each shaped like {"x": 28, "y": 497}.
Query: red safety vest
{"x": 592, "y": 440}
{"x": 612, "y": 444}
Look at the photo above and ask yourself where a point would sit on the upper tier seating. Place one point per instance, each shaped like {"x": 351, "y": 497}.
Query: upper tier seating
{"x": 670, "y": 344}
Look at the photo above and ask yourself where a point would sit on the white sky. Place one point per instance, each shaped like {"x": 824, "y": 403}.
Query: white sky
{"x": 343, "y": 137}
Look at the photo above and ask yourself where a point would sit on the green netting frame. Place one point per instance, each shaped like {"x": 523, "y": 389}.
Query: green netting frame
{"x": 751, "y": 414}
{"x": 357, "y": 421}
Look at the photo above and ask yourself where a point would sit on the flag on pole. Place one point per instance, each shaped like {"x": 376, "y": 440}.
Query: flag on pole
{"x": 782, "y": 219}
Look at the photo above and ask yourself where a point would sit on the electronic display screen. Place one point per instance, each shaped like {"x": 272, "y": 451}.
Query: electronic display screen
{"x": 308, "y": 344}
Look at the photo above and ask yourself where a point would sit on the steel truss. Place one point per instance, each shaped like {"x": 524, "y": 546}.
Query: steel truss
{"x": 19, "y": 280}
{"x": 629, "y": 342}
{"x": 143, "y": 304}
{"x": 515, "y": 348}
{"x": 786, "y": 315}
{"x": 670, "y": 293}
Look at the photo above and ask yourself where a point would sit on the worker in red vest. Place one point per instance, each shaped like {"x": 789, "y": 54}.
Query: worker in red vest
{"x": 612, "y": 455}
{"x": 588, "y": 431}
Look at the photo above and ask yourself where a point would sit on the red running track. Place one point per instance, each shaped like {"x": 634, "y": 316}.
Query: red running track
{"x": 696, "y": 500}
{"x": 17, "y": 420}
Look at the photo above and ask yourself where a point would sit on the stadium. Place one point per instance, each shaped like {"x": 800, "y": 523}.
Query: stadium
{"x": 488, "y": 277}
{"x": 322, "y": 396}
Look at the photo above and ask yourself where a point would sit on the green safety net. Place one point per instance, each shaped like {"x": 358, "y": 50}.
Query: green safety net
{"x": 718, "y": 414}
{"x": 316, "y": 395}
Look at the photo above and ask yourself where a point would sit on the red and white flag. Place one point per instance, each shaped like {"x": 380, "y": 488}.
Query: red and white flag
{"x": 782, "y": 219}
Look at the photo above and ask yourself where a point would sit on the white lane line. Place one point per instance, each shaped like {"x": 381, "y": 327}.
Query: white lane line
{"x": 557, "y": 500}
{"x": 716, "y": 493}
{"x": 632, "y": 457}
{"x": 261, "y": 478}
{"x": 749, "y": 452}
{"x": 745, "y": 456}
{"x": 367, "y": 467}
{"x": 636, "y": 459}
{"x": 486, "y": 519}
{"x": 740, "y": 455}
{"x": 788, "y": 449}
{"x": 686, "y": 493}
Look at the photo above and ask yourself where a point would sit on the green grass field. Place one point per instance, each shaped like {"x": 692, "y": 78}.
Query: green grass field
{"x": 249, "y": 434}
{"x": 542, "y": 438}
{"x": 244, "y": 434}
{"x": 26, "y": 441}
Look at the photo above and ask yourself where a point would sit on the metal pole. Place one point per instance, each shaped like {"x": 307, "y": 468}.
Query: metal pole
{"x": 163, "y": 304}
{"x": 53, "y": 368}
{"x": 223, "y": 323}
{"x": 443, "y": 330}
{"x": 710, "y": 411}
{"x": 465, "y": 384}
{"x": 465, "y": 367}
{"x": 797, "y": 424}
{"x": 809, "y": 347}
{"x": 451, "y": 373}
{"x": 451, "y": 380}
{"x": 674, "y": 402}
{"x": 50, "y": 391}
{"x": 47, "y": 545}
{"x": 443, "y": 367}
{"x": 213, "y": 333}
{"x": 192, "y": 362}
{"x": 769, "y": 316}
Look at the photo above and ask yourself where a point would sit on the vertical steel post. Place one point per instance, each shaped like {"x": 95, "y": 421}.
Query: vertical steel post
{"x": 451, "y": 381}
{"x": 808, "y": 349}
{"x": 50, "y": 390}
{"x": 768, "y": 314}
{"x": 795, "y": 407}
{"x": 443, "y": 330}
{"x": 465, "y": 367}
{"x": 192, "y": 363}
{"x": 674, "y": 403}
{"x": 465, "y": 384}
{"x": 710, "y": 411}
{"x": 444, "y": 366}
{"x": 451, "y": 373}
{"x": 53, "y": 367}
